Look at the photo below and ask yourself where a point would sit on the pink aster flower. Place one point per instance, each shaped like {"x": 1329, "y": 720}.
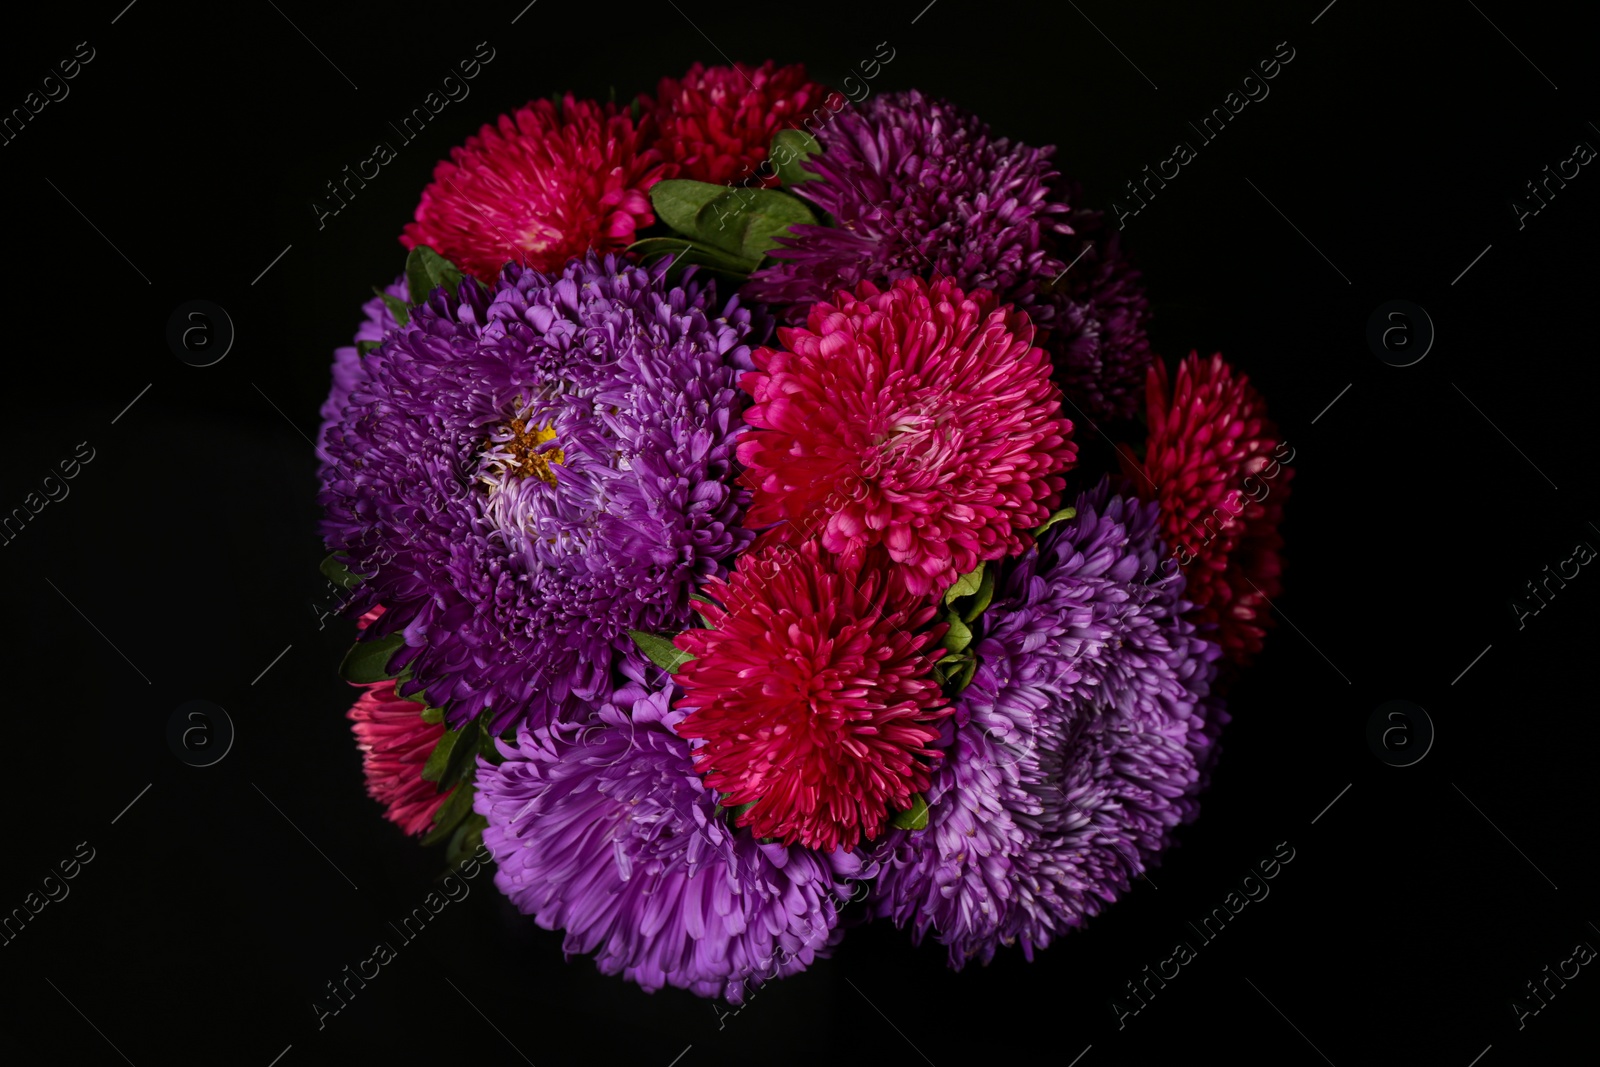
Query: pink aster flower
{"x": 917, "y": 418}
{"x": 1214, "y": 460}
{"x": 717, "y": 122}
{"x": 394, "y": 744}
{"x": 546, "y": 184}
{"x": 813, "y": 695}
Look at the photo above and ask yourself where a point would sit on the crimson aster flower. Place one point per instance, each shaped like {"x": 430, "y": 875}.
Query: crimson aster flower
{"x": 716, "y": 122}
{"x": 545, "y": 184}
{"x": 915, "y": 185}
{"x": 1213, "y": 460}
{"x": 917, "y": 417}
{"x": 813, "y": 695}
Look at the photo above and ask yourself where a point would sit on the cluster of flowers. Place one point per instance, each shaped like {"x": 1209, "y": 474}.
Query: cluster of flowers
{"x": 706, "y": 625}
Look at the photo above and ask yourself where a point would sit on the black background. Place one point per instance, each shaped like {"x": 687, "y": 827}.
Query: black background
{"x": 195, "y": 142}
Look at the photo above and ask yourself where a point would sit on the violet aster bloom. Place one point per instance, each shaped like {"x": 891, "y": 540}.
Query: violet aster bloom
{"x": 529, "y": 471}
{"x": 606, "y": 831}
{"x": 917, "y": 186}
{"x": 1077, "y": 746}
{"x": 347, "y": 365}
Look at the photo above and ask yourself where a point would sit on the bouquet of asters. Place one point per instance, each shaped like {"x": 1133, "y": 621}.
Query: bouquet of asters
{"x": 708, "y": 490}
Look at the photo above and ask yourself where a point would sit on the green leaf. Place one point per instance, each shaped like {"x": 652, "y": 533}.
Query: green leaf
{"x": 950, "y": 664}
{"x": 965, "y": 585}
{"x": 396, "y": 306}
{"x": 336, "y": 572}
{"x": 463, "y": 758}
{"x": 915, "y": 818}
{"x": 368, "y": 661}
{"x": 486, "y": 746}
{"x": 363, "y": 347}
{"x": 1063, "y": 514}
{"x": 677, "y": 202}
{"x": 426, "y": 270}
{"x": 959, "y": 636}
{"x": 662, "y": 652}
{"x": 964, "y": 679}
{"x": 439, "y": 758}
{"x": 450, "y": 814}
{"x": 980, "y": 599}
{"x": 743, "y": 222}
{"x": 750, "y": 221}
{"x": 737, "y": 810}
{"x": 433, "y": 716}
{"x": 685, "y": 252}
{"x": 453, "y": 758}
{"x": 793, "y": 147}
{"x": 464, "y": 841}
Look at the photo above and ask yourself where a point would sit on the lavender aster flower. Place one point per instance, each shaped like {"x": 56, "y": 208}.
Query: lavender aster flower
{"x": 531, "y": 470}
{"x": 1077, "y": 747}
{"x": 348, "y": 371}
{"x": 917, "y": 186}
{"x": 606, "y": 831}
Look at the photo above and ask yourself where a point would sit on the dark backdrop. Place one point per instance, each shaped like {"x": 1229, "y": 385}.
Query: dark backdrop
{"x": 1386, "y": 159}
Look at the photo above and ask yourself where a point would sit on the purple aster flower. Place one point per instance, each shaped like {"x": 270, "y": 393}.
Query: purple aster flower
{"x": 529, "y": 471}
{"x": 1101, "y": 351}
{"x": 606, "y": 831}
{"x": 347, "y": 366}
{"x": 1077, "y": 746}
{"x": 917, "y": 186}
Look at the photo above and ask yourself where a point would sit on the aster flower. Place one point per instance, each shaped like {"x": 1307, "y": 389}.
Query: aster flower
{"x": 814, "y": 698}
{"x": 716, "y": 122}
{"x": 1098, "y": 339}
{"x": 607, "y": 832}
{"x": 530, "y": 471}
{"x": 547, "y": 183}
{"x": 918, "y": 186}
{"x": 395, "y": 744}
{"x": 348, "y": 373}
{"x": 1076, "y": 749}
{"x": 919, "y": 418}
{"x": 1209, "y": 433}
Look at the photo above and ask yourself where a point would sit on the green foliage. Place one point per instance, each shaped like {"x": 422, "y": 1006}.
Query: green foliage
{"x": 660, "y": 650}
{"x": 743, "y": 223}
{"x": 791, "y": 148}
{"x": 914, "y": 818}
{"x": 426, "y": 270}
{"x": 368, "y": 661}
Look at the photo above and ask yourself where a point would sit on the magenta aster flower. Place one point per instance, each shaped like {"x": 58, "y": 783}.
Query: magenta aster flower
{"x": 607, "y": 832}
{"x": 716, "y": 123}
{"x": 1077, "y": 748}
{"x": 813, "y": 696}
{"x": 919, "y": 418}
{"x": 547, "y": 183}
{"x": 528, "y": 472}
{"x": 918, "y": 186}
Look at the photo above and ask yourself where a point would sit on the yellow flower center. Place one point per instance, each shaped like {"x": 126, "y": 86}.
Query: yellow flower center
{"x": 525, "y": 457}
